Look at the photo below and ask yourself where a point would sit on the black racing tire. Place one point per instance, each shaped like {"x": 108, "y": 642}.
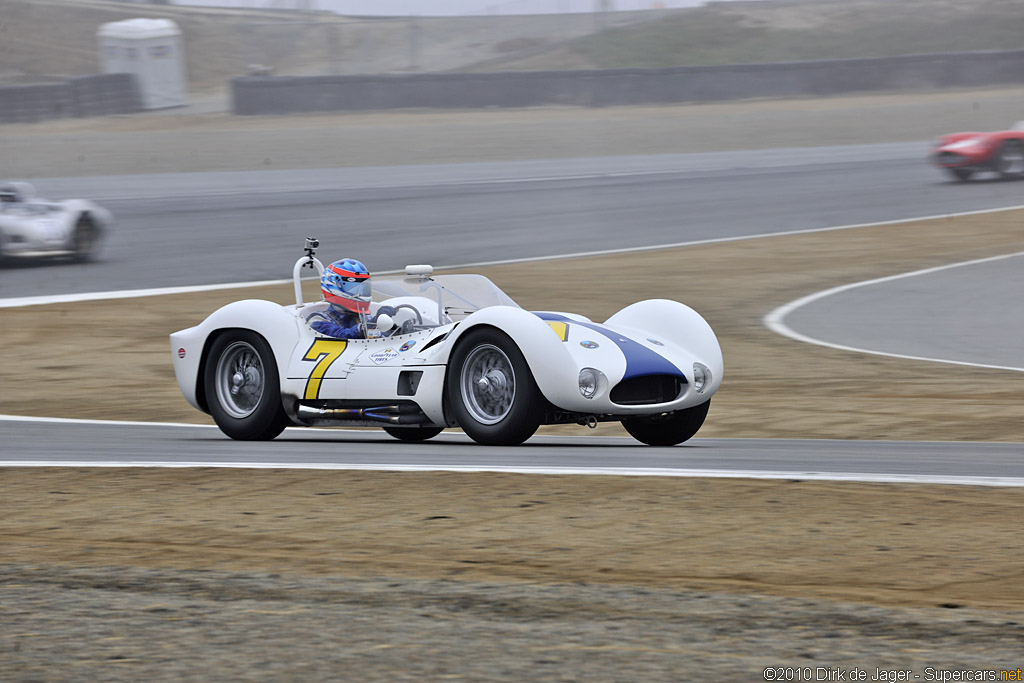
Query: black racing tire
{"x": 1010, "y": 160}
{"x": 85, "y": 239}
{"x": 243, "y": 389}
{"x": 413, "y": 433}
{"x": 961, "y": 173}
{"x": 491, "y": 390}
{"x": 670, "y": 429}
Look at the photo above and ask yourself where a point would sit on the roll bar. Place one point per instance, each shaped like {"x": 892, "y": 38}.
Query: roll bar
{"x": 307, "y": 261}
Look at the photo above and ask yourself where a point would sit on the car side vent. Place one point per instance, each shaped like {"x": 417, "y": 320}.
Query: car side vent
{"x": 648, "y": 389}
{"x": 409, "y": 382}
{"x": 435, "y": 340}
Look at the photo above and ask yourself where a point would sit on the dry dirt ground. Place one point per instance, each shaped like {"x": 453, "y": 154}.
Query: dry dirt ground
{"x": 271, "y": 575}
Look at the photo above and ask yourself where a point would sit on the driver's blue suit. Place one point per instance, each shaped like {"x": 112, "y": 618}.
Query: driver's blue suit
{"x": 337, "y": 324}
{"x": 342, "y": 324}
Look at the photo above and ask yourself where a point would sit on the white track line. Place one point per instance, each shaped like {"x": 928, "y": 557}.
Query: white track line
{"x": 775, "y": 320}
{"x": 596, "y": 471}
{"x": 76, "y": 420}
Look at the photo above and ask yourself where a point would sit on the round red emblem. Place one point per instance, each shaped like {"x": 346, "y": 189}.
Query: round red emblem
{"x": 181, "y": 353}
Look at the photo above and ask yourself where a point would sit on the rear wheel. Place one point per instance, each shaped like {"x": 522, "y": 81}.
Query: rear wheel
{"x": 669, "y": 429}
{"x": 84, "y": 239}
{"x": 491, "y": 390}
{"x": 413, "y": 433}
{"x": 1010, "y": 162}
{"x": 243, "y": 388}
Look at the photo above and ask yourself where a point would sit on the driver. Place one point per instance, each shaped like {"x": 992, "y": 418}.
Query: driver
{"x": 346, "y": 287}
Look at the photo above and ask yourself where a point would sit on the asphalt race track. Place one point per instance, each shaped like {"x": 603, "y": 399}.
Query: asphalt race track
{"x": 61, "y": 443}
{"x": 970, "y": 313}
{"x": 194, "y": 229}
{"x": 189, "y": 229}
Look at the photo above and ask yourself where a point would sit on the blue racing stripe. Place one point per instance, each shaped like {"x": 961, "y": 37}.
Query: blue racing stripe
{"x": 640, "y": 360}
{"x": 544, "y": 315}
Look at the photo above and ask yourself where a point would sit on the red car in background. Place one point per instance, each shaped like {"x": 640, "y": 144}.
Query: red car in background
{"x": 965, "y": 154}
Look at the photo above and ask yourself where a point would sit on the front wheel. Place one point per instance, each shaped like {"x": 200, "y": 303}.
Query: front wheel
{"x": 670, "y": 429}
{"x": 961, "y": 173}
{"x": 1010, "y": 162}
{"x": 84, "y": 240}
{"x": 242, "y": 387}
{"x": 491, "y": 390}
{"x": 413, "y": 434}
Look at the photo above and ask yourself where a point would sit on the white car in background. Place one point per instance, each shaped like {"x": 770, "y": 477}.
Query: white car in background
{"x": 34, "y": 227}
{"x": 450, "y": 351}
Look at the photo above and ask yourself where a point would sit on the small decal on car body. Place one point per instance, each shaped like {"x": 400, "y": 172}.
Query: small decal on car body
{"x": 408, "y": 345}
{"x": 560, "y": 328}
{"x": 587, "y": 344}
{"x": 384, "y": 356}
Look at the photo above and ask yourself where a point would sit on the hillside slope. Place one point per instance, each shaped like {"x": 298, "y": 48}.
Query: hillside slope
{"x": 46, "y": 39}
{"x": 52, "y": 39}
{"x": 789, "y": 30}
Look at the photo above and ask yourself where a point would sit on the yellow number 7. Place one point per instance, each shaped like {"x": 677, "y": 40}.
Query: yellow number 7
{"x": 326, "y": 351}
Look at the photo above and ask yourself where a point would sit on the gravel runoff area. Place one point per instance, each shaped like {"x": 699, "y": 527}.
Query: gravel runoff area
{"x": 205, "y": 574}
{"x": 112, "y": 574}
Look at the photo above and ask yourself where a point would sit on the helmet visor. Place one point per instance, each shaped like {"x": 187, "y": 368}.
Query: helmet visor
{"x": 355, "y": 288}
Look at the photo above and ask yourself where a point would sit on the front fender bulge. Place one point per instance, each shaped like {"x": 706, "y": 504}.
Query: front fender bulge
{"x": 678, "y": 327}
{"x": 554, "y": 368}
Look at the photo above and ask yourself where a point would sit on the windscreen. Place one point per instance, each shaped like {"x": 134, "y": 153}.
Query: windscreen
{"x": 444, "y": 298}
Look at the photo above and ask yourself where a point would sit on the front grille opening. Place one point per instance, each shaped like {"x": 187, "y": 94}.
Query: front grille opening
{"x": 648, "y": 389}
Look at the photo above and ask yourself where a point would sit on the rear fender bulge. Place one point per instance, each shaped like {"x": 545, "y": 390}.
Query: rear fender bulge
{"x": 276, "y": 324}
{"x": 188, "y": 347}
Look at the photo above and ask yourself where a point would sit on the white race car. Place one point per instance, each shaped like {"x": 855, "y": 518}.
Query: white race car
{"x": 30, "y": 226}
{"x": 451, "y": 351}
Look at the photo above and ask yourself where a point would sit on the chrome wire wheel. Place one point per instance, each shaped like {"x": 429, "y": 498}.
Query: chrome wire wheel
{"x": 239, "y": 379}
{"x": 488, "y": 384}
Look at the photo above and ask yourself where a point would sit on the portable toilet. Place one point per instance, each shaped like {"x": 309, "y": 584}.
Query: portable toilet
{"x": 150, "y": 49}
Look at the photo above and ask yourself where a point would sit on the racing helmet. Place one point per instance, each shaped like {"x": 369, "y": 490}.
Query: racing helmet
{"x": 346, "y": 284}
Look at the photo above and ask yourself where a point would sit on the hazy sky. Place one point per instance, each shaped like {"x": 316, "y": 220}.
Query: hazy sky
{"x": 452, "y": 7}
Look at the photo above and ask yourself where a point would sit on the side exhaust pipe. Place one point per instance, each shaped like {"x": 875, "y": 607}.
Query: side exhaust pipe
{"x": 391, "y": 414}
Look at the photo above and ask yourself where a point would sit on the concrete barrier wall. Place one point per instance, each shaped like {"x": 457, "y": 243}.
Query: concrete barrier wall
{"x": 283, "y": 95}
{"x": 84, "y": 96}
{"x": 105, "y": 94}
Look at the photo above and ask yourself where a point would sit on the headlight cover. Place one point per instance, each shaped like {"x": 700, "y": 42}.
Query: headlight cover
{"x": 701, "y": 377}
{"x": 589, "y": 381}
